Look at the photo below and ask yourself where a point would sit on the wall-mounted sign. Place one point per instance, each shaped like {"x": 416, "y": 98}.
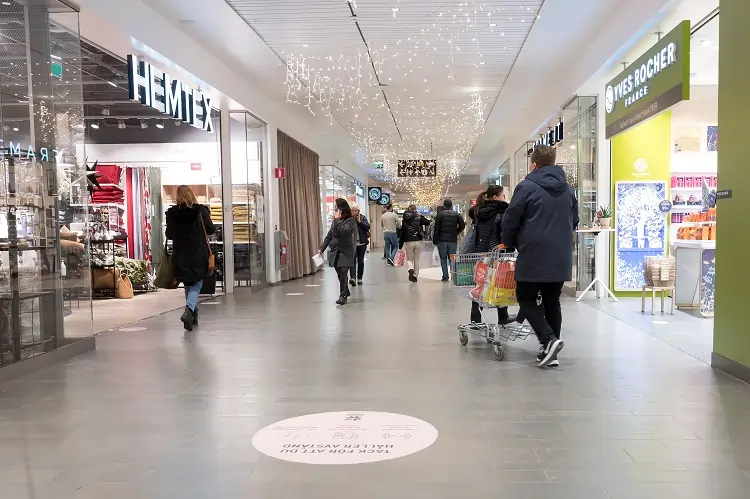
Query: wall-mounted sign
{"x": 156, "y": 89}
{"x": 552, "y": 137}
{"x": 385, "y": 199}
{"x": 21, "y": 151}
{"x": 279, "y": 173}
{"x": 660, "y": 78}
{"x": 360, "y": 191}
{"x": 374, "y": 194}
{"x": 196, "y": 167}
{"x": 417, "y": 168}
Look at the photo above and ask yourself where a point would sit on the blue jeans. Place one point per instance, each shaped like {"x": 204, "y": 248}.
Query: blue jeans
{"x": 391, "y": 244}
{"x": 446, "y": 249}
{"x": 191, "y": 295}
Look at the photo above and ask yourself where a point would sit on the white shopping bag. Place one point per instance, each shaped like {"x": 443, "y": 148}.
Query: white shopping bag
{"x": 317, "y": 259}
{"x": 435, "y": 257}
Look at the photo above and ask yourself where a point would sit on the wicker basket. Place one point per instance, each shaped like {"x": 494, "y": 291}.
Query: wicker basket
{"x": 660, "y": 271}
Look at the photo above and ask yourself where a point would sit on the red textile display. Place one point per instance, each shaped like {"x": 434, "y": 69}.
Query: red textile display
{"x": 110, "y": 174}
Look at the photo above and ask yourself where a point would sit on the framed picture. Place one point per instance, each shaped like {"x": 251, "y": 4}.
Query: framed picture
{"x": 640, "y": 230}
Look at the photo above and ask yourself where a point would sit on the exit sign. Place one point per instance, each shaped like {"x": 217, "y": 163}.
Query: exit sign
{"x": 378, "y": 165}
{"x": 56, "y": 69}
{"x": 196, "y": 167}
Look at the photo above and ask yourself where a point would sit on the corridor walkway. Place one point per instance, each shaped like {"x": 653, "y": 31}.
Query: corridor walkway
{"x": 160, "y": 414}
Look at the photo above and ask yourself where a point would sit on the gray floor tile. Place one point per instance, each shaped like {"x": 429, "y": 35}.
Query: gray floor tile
{"x": 159, "y": 414}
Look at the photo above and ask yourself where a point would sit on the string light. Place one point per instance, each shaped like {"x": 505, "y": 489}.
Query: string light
{"x": 345, "y": 88}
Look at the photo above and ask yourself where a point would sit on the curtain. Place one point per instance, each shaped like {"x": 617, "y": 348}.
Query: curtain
{"x": 299, "y": 202}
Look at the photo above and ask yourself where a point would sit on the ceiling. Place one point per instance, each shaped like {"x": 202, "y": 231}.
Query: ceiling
{"x": 407, "y": 79}
{"x": 704, "y": 54}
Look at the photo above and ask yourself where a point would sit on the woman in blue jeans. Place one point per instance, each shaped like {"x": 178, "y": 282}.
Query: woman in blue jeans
{"x": 188, "y": 226}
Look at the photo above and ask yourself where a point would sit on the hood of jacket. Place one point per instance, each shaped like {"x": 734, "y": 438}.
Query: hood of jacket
{"x": 551, "y": 179}
{"x": 491, "y": 209}
{"x": 410, "y": 216}
{"x": 183, "y": 214}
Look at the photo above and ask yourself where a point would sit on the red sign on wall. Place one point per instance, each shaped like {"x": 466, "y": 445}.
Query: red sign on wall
{"x": 279, "y": 172}
{"x": 196, "y": 167}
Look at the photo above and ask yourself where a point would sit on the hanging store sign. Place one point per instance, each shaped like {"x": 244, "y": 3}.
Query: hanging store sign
{"x": 552, "y": 137}
{"x": 374, "y": 193}
{"x": 417, "y": 168}
{"x": 156, "y": 89}
{"x": 659, "y": 79}
{"x": 385, "y": 199}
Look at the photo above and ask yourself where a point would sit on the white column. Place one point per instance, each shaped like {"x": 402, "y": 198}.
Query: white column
{"x": 226, "y": 188}
{"x": 603, "y": 247}
{"x": 273, "y": 213}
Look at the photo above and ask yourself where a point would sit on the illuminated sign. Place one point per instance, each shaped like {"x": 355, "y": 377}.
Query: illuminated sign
{"x": 156, "y": 89}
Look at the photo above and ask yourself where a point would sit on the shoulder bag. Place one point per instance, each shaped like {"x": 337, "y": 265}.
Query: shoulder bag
{"x": 211, "y": 258}
{"x": 165, "y": 273}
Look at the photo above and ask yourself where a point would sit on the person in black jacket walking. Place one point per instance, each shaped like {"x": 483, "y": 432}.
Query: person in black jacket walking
{"x": 188, "y": 226}
{"x": 342, "y": 240}
{"x": 448, "y": 225}
{"x": 363, "y": 228}
{"x": 411, "y": 239}
{"x": 540, "y": 222}
{"x": 488, "y": 221}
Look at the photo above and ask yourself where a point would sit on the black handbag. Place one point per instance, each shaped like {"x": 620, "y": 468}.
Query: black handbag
{"x": 209, "y": 284}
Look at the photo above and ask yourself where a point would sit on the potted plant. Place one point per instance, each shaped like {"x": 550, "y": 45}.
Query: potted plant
{"x": 604, "y": 215}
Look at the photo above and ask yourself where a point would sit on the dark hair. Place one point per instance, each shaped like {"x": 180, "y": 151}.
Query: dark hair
{"x": 472, "y": 213}
{"x": 389, "y": 207}
{"x": 343, "y": 206}
{"x": 481, "y": 199}
{"x": 544, "y": 156}
{"x": 448, "y": 204}
{"x": 494, "y": 190}
{"x": 412, "y": 207}
{"x": 439, "y": 209}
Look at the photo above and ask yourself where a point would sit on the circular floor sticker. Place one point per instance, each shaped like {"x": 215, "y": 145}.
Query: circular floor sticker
{"x": 345, "y": 437}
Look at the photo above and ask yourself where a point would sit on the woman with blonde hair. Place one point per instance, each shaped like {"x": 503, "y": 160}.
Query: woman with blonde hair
{"x": 188, "y": 226}
{"x": 363, "y": 233}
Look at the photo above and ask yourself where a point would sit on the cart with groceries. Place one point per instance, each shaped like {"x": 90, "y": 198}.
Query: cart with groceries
{"x": 489, "y": 280}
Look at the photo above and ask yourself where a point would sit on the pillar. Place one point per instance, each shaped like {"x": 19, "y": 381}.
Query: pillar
{"x": 731, "y": 351}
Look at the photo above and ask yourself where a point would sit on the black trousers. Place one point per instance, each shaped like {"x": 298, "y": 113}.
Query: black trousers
{"x": 358, "y": 271}
{"x": 343, "y": 274}
{"x": 502, "y": 314}
{"x": 545, "y": 319}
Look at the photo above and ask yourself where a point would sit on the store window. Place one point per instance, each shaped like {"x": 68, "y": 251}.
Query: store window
{"x": 248, "y": 139}
{"x": 337, "y": 184}
{"x": 44, "y": 269}
{"x": 577, "y": 156}
{"x": 522, "y": 160}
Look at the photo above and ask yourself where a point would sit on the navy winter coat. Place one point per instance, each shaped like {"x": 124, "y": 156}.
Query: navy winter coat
{"x": 541, "y": 222}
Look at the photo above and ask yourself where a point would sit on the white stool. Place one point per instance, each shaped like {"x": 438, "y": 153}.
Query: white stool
{"x": 654, "y": 290}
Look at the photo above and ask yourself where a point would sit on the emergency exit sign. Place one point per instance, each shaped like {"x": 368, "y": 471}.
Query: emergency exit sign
{"x": 56, "y": 69}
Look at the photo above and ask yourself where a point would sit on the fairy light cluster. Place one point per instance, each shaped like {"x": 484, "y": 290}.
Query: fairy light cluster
{"x": 423, "y": 63}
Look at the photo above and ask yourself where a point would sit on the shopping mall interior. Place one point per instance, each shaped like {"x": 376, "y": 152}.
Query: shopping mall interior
{"x": 188, "y": 309}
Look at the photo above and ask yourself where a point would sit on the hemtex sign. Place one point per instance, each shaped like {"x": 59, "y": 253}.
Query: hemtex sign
{"x": 156, "y": 89}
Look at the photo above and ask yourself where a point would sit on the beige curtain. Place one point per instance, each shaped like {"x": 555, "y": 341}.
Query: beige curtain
{"x": 299, "y": 204}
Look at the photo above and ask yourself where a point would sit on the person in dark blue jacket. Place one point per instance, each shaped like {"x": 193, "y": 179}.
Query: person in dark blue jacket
{"x": 363, "y": 236}
{"x": 540, "y": 222}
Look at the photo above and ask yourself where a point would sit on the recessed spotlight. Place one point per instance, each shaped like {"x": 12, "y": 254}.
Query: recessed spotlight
{"x": 15, "y": 128}
{"x": 482, "y": 63}
{"x": 395, "y": 9}
{"x": 121, "y": 125}
{"x": 304, "y": 45}
{"x": 706, "y": 43}
{"x": 573, "y": 147}
{"x": 6, "y": 3}
{"x": 95, "y": 125}
{"x": 493, "y": 25}
{"x": 159, "y": 124}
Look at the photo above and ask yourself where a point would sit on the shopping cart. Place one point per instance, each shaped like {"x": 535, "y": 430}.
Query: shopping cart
{"x": 488, "y": 279}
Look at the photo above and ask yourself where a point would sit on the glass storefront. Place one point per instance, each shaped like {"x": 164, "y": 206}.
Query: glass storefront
{"x": 522, "y": 162}
{"x": 334, "y": 183}
{"x": 248, "y": 136}
{"x": 577, "y": 156}
{"x": 42, "y": 125}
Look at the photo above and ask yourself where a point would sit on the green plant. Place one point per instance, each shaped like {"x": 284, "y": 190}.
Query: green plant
{"x": 604, "y": 212}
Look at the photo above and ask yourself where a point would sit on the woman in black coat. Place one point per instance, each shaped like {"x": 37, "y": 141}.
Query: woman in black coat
{"x": 188, "y": 226}
{"x": 342, "y": 241}
{"x": 488, "y": 216}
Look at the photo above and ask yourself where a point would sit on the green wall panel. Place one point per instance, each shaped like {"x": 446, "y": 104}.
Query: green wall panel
{"x": 732, "y": 320}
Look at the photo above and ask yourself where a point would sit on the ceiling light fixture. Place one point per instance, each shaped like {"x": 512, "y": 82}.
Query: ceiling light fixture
{"x": 6, "y": 3}
{"x": 106, "y": 111}
{"x": 112, "y": 83}
{"x": 144, "y": 125}
{"x": 15, "y": 128}
{"x": 159, "y": 124}
{"x": 121, "y": 125}
{"x": 95, "y": 125}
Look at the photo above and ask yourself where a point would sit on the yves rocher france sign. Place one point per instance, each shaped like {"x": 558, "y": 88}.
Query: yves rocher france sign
{"x": 657, "y": 80}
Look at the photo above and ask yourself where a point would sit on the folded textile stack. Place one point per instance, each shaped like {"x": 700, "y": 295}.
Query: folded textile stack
{"x": 244, "y": 233}
{"x": 242, "y": 214}
{"x": 109, "y": 174}
{"x": 108, "y": 194}
{"x": 216, "y": 215}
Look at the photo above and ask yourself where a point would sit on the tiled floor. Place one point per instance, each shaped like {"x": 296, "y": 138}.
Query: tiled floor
{"x": 162, "y": 414}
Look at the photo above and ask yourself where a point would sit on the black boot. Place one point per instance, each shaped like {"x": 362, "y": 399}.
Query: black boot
{"x": 341, "y": 300}
{"x": 195, "y": 317}
{"x": 187, "y": 319}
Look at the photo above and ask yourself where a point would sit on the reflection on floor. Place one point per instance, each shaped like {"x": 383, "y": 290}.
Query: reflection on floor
{"x": 161, "y": 413}
{"x": 114, "y": 313}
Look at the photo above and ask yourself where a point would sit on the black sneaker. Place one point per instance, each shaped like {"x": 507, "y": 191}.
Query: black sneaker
{"x": 187, "y": 319}
{"x": 359, "y": 282}
{"x": 412, "y": 277}
{"x": 551, "y": 349}
{"x": 390, "y": 262}
{"x": 341, "y": 300}
{"x": 352, "y": 283}
{"x": 553, "y": 363}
